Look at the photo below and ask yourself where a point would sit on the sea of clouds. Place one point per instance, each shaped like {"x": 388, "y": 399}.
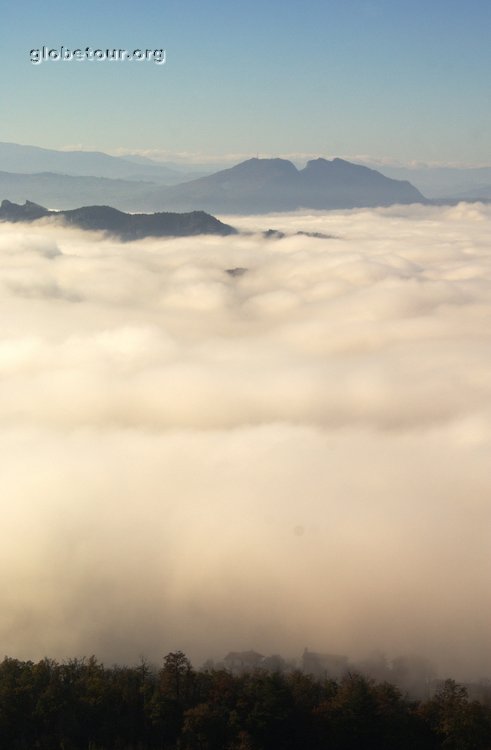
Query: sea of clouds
{"x": 298, "y": 455}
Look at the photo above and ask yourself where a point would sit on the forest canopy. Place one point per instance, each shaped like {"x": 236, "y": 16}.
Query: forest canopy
{"x": 81, "y": 704}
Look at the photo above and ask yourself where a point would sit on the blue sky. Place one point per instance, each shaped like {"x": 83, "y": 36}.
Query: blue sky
{"x": 396, "y": 80}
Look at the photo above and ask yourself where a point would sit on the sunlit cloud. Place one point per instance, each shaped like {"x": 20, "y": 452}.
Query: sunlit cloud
{"x": 168, "y": 427}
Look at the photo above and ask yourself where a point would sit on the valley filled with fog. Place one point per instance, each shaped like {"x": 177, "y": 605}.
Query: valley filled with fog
{"x": 293, "y": 455}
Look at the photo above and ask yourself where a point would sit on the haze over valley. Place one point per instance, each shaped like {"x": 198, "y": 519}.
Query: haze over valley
{"x": 293, "y": 455}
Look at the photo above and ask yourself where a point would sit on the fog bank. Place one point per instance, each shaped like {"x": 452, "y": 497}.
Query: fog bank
{"x": 294, "y": 456}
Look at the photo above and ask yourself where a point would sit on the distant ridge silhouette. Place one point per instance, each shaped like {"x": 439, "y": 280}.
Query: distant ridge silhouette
{"x": 266, "y": 185}
{"x": 125, "y": 226}
{"x": 67, "y": 180}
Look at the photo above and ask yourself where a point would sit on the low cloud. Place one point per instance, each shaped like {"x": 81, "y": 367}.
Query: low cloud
{"x": 294, "y": 456}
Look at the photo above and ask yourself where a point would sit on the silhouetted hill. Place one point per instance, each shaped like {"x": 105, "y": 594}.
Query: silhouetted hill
{"x": 125, "y": 226}
{"x": 342, "y": 184}
{"x": 266, "y": 185}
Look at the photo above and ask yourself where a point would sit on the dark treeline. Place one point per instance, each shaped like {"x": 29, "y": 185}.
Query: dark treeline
{"x": 83, "y": 705}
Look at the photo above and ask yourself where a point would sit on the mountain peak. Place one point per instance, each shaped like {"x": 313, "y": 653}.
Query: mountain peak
{"x": 256, "y": 166}
{"x": 335, "y": 164}
{"x": 29, "y": 211}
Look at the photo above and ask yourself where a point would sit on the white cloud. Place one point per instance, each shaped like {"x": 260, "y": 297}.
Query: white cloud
{"x": 166, "y": 427}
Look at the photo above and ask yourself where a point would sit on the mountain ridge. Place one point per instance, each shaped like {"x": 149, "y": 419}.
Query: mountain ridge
{"x": 118, "y": 223}
{"x": 266, "y": 185}
{"x": 21, "y": 159}
{"x": 251, "y": 186}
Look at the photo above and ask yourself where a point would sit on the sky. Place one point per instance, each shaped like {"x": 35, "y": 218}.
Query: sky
{"x": 293, "y": 457}
{"x": 403, "y": 81}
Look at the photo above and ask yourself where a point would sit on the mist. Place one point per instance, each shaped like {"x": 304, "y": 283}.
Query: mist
{"x": 294, "y": 456}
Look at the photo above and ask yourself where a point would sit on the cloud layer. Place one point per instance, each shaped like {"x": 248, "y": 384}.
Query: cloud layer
{"x": 295, "y": 456}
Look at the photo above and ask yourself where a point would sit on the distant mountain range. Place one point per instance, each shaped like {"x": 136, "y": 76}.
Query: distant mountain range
{"x": 455, "y": 183}
{"x": 32, "y": 159}
{"x": 122, "y": 225}
{"x": 68, "y": 191}
{"x": 67, "y": 180}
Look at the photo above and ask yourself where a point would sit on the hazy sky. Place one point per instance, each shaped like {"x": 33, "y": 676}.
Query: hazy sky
{"x": 382, "y": 78}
